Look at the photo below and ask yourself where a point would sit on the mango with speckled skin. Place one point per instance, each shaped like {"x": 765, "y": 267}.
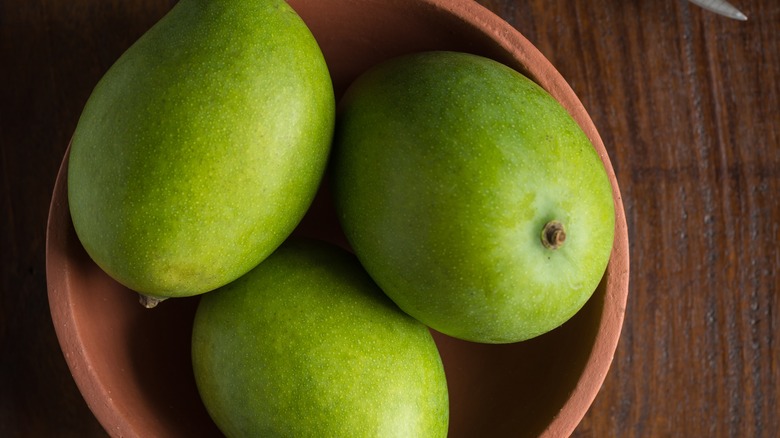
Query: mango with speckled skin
{"x": 202, "y": 147}
{"x": 306, "y": 345}
{"x": 471, "y": 196}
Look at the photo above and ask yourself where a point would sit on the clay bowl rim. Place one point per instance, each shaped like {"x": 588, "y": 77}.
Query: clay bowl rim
{"x": 539, "y": 68}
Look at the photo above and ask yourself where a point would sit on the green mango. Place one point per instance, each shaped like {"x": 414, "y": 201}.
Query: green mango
{"x": 306, "y": 345}
{"x": 202, "y": 147}
{"x": 471, "y": 196}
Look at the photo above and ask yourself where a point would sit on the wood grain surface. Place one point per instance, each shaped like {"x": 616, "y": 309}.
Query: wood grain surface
{"x": 687, "y": 103}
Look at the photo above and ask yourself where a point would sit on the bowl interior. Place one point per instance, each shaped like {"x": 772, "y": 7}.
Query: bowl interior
{"x": 133, "y": 365}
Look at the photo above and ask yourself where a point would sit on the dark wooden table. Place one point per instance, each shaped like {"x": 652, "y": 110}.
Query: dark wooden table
{"x": 687, "y": 102}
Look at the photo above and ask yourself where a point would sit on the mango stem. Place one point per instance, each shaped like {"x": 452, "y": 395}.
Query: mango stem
{"x": 553, "y": 235}
{"x": 149, "y": 302}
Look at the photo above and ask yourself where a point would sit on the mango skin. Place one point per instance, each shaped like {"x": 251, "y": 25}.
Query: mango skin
{"x": 306, "y": 345}
{"x": 202, "y": 147}
{"x": 446, "y": 167}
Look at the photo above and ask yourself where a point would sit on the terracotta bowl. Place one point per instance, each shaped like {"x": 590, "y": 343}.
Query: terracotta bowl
{"x": 132, "y": 364}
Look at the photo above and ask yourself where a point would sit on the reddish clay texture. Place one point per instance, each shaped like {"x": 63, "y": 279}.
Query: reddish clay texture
{"x": 132, "y": 364}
